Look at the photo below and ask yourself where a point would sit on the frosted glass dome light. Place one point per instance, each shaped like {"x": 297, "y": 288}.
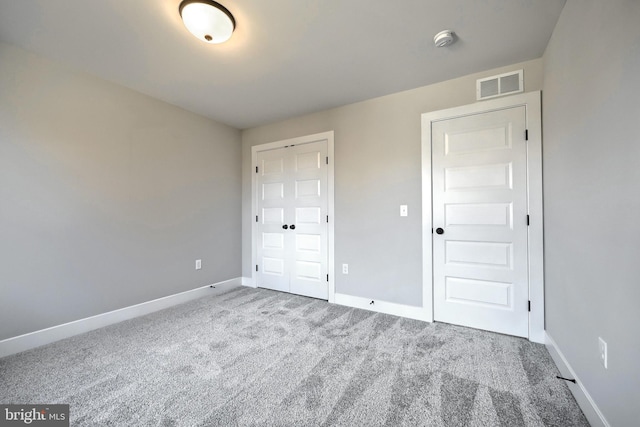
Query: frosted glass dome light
{"x": 208, "y": 20}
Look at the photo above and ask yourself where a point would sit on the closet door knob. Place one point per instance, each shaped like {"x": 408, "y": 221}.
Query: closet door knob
{"x": 439, "y": 230}
{"x": 293, "y": 226}
{"x": 285, "y": 226}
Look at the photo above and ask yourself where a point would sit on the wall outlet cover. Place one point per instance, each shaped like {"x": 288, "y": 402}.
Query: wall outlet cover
{"x": 602, "y": 346}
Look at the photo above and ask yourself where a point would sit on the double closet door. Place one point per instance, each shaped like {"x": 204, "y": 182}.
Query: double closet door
{"x": 291, "y": 200}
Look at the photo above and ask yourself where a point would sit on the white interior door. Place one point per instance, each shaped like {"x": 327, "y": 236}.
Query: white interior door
{"x": 308, "y": 275}
{"x": 274, "y": 202}
{"x": 292, "y": 250}
{"x": 480, "y": 261}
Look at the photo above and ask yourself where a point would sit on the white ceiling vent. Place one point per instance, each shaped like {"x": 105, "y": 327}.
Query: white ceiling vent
{"x": 500, "y": 85}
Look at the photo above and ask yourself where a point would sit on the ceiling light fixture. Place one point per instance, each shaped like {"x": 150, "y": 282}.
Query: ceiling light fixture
{"x": 443, "y": 38}
{"x": 208, "y": 20}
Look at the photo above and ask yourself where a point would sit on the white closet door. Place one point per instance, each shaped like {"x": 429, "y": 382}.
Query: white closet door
{"x": 274, "y": 203}
{"x": 480, "y": 260}
{"x": 309, "y": 249}
{"x": 292, "y": 248}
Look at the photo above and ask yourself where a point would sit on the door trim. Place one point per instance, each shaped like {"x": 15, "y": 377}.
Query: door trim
{"x": 329, "y": 137}
{"x": 532, "y": 103}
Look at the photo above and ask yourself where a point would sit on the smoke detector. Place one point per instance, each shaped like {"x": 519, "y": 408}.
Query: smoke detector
{"x": 443, "y": 38}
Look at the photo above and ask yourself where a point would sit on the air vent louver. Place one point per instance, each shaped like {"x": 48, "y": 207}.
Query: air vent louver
{"x": 500, "y": 85}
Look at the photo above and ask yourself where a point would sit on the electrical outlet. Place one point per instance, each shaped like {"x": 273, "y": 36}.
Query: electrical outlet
{"x": 602, "y": 346}
{"x": 198, "y": 264}
{"x": 345, "y": 268}
{"x": 403, "y": 210}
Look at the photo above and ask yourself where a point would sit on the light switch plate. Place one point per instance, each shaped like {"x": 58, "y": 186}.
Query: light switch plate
{"x": 403, "y": 210}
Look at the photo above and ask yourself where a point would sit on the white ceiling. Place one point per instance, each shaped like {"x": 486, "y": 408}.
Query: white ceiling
{"x": 286, "y": 57}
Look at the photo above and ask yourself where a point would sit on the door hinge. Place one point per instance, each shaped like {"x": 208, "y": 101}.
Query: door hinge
{"x": 526, "y": 134}
{"x": 256, "y": 218}
{"x": 327, "y": 218}
{"x": 256, "y": 267}
{"x": 256, "y": 169}
{"x": 327, "y": 277}
{"x": 527, "y": 219}
{"x": 529, "y": 306}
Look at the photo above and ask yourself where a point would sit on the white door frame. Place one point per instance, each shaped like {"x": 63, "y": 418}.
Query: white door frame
{"x": 328, "y": 136}
{"x": 532, "y": 103}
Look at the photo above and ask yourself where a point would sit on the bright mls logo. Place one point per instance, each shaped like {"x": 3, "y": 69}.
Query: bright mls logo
{"x": 34, "y": 415}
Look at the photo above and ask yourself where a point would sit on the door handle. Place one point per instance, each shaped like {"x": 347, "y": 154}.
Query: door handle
{"x": 293, "y": 226}
{"x": 439, "y": 230}
{"x": 285, "y": 226}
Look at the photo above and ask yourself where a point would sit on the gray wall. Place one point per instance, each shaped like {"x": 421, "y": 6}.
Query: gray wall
{"x": 591, "y": 105}
{"x": 377, "y": 168}
{"x": 107, "y": 196}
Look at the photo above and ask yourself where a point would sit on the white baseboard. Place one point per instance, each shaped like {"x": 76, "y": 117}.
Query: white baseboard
{"x": 55, "y": 333}
{"x": 395, "y": 309}
{"x": 582, "y": 396}
{"x": 248, "y": 281}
